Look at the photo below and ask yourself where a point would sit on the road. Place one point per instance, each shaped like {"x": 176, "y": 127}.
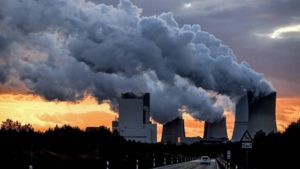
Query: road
{"x": 192, "y": 165}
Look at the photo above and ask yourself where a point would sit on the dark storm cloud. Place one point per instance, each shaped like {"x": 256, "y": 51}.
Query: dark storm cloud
{"x": 63, "y": 49}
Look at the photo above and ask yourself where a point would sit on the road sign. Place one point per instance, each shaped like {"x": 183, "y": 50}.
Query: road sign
{"x": 246, "y": 140}
{"x": 247, "y": 145}
{"x": 246, "y": 137}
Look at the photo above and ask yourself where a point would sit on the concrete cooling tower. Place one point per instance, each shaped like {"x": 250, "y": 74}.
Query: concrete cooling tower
{"x": 216, "y": 130}
{"x": 173, "y": 131}
{"x": 255, "y": 114}
{"x": 262, "y": 114}
{"x": 241, "y": 118}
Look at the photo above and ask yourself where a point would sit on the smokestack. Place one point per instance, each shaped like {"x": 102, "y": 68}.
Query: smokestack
{"x": 262, "y": 114}
{"x": 241, "y": 118}
{"x": 173, "y": 131}
{"x": 215, "y": 130}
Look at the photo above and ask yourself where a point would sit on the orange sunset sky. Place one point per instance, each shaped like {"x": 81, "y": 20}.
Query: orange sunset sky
{"x": 42, "y": 114}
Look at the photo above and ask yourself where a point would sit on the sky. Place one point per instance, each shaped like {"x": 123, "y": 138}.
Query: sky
{"x": 265, "y": 34}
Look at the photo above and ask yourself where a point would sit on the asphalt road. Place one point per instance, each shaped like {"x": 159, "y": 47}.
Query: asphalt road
{"x": 192, "y": 165}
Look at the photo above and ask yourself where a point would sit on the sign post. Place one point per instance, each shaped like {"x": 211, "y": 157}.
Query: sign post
{"x": 246, "y": 141}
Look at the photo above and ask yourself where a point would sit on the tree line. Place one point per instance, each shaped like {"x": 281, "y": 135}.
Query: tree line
{"x": 70, "y": 147}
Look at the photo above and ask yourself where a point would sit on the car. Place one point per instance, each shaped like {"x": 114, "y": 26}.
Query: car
{"x": 205, "y": 160}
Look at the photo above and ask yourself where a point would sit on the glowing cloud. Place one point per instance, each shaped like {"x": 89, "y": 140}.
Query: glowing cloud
{"x": 187, "y": 5}
{"x": 277, "y": 34}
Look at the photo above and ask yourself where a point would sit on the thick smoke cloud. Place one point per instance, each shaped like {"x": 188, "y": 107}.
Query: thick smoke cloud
{"x": 62, "y": 50}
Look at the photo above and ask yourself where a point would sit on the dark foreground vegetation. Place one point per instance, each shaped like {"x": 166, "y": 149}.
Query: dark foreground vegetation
{"x": 69, "y": 147}
{"x": 272, "y": 151}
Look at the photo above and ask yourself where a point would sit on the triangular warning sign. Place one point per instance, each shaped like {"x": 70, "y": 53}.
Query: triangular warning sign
{"x": 246, "y": 137}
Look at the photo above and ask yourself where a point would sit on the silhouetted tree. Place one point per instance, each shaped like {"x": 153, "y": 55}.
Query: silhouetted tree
{"x": 10, "y": 125}
{"x": 293, "y": 130}
{"x": 70, "y": 147}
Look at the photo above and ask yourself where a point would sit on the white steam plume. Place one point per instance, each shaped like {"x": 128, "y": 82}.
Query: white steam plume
{"x": 62, "y": 49}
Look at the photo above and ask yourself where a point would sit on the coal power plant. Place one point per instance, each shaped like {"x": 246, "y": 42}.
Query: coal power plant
{"x": 241, "y": 118}
{"x": 252, "y": 113}
{"x": 215, "y": 130}
{"x": 181, "y": 65}
{"x": 134, "y": 118}
{"x": 255, "y": 114}
{"x": 174, "y": 133}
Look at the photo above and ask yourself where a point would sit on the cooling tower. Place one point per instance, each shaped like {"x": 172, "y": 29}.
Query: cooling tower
{"x": 241, "y": 118}
{"x": 173, "y": 131}
{"x": 262, "y": 114}
{"x": 216, "y": 130}
{"x": 255, "y": 114}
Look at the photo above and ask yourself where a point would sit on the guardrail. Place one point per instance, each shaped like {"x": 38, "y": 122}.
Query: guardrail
{"x": 185, "y": 159}
{"x": 225, "y": 164}
{"x": 166, "y": 161}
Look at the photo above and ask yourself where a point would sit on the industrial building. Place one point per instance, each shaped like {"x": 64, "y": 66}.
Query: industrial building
{"x": 174, "y": 133}
{"x": 252, "y": 114}
{"x": 134, "y": 118}
{"x": 255, "y": 114}
{"x": 241, "y": 118}
{"x": 262, "y": 114}
{"x": 215, "y": 131}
